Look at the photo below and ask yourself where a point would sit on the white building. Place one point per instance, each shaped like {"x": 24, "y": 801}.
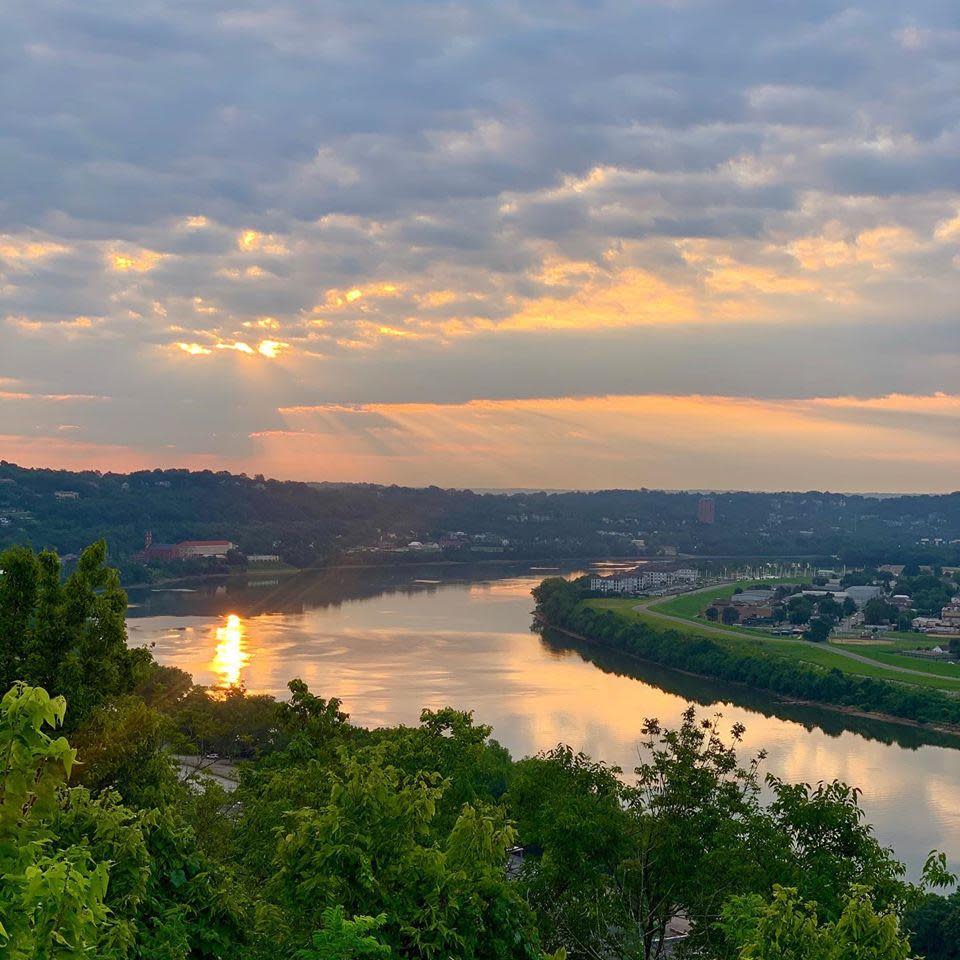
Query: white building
{"x": 205, "y": 548}
{"x": 641, "y": 580}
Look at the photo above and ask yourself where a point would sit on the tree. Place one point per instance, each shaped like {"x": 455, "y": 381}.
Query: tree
{"x": 730, "y": 615}
{"x": 934, "y": 925}
{"x": 574, "y": 812}
{"x": 59, "y": 846}
{"x": 51, "y": 900}
{"x": 800, "y": 609}
{"x": 818, "y": 630}
{"x": 343, "y": 939}
{"x": 123, "y": 748}
{"x": 368, "y": 844}
{"x": 66, "y": 635}
{"x": 905, "y": 621}
{"x": 849, "y": 607}
{"x": 711, "y": 613}
{"x": 786, "y": 927}
{"x": 878, "y": 610}
{"x": 619, "y": 862}
{"x": 829, "y": 609}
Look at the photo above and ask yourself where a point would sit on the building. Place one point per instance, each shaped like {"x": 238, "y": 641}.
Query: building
{"x": 152, "y": 550}
{"x": 66, "y": 494}
{"x": 862, "y": 595}
{"x": 750, "y": 597}
{"x": 706, "y": 510}
{"x": 204, "y": 548}
{"x": 754, "y": 612}
{"x": 639, "y": 581}
{"x": 950, "y": 614}
{"x": 263, "y": 558}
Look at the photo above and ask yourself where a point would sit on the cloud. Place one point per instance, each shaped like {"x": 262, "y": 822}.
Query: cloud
{"x": 282, "y": 205}
{"x": 631, "y": 441}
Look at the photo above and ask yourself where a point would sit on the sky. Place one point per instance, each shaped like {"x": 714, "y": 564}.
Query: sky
{"x": 499, "y": 243}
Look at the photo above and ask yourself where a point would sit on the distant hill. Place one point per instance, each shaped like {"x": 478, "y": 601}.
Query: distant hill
{"x": 312, "y": 523}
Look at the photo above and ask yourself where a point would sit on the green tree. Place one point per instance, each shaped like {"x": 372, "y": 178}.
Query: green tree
{"x": 799, "y": 609}
{"x": 343, "y": 939}
{"x": 878, "y": 610}
{"x": 123, "y": 748}
{"x": 829, "y": 609}
{"x": 730, "y": 615}
{"x": 370, "y": 846}
{"x": 66, "y": 635}
{"x": 934, "y": 925}
{"x": 818, "y": 630}
{"x": 51, "y": 899}
{"x": 787, "y": 928}
{"x": 619, "y": 862}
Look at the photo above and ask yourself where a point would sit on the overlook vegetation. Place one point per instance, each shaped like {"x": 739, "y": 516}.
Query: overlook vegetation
{"x": 342, "y": 842}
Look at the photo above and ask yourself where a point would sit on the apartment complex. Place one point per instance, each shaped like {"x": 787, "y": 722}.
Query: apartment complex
{"x": 641, "y": 581}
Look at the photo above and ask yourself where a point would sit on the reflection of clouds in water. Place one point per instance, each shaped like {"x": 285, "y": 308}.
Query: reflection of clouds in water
{"x": 502, "y": 589}
{"x": 470, "y": 647}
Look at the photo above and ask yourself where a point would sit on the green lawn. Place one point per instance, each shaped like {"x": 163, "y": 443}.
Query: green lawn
{"x": 886, "y": 654}
{"x": 939, "y": 676}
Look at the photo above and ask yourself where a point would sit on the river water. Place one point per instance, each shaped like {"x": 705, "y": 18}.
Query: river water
{"x": 389, "y": 641}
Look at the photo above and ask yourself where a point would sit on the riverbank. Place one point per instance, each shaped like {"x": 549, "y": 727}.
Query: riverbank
{"x": 777, "y": 668}
{"x": 950, "y": 730}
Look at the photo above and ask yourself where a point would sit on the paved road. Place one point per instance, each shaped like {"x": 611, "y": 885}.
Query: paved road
{"x": 651, "y": 608}
{"x": 222, "y": 771}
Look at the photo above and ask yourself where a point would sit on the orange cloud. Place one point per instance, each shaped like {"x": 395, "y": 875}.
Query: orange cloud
{"x": 629, "y": 441}
{"x": 252, "y": 241}
{"x": 135, "y": 261}
{"x": 194, "y": 349}
{"x": 878, "y": 248}
{"x": 271, "y": 348}
{"x": 337, "y": 298}
{"x": 628, "y": 297}
{"x": 70, "y": 454}
{"x": 19, "y": 250}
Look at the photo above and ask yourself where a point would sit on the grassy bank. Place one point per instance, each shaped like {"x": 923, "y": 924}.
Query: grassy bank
{"x": 785, "y": 667}
{"x": 887, "y": 660}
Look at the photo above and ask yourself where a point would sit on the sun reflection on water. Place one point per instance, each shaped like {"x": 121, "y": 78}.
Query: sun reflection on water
{"x": 231, "y": 656}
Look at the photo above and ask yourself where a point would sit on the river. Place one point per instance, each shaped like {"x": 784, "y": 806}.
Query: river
{"x": 389, "y": 641}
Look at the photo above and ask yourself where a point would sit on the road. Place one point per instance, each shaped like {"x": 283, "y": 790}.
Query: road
{"x": 223, "y": 772}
